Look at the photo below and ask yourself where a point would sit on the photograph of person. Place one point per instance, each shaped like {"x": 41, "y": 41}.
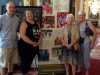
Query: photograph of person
{"x": 61, "y": 19}
{"x": 47, "y": 6}
{"x": 48, "y": 22}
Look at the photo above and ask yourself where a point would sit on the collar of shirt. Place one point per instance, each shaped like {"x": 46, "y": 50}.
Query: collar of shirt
{"x": 9, "y": 15}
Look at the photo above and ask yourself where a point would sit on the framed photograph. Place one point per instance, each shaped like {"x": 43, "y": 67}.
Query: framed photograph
{"x": 61, "y": 19}
{"x": 47, "y": 33}
{"x": 20, "y": 10}
{"x": 48, "y": 21}
{"x": 47, "y": 6}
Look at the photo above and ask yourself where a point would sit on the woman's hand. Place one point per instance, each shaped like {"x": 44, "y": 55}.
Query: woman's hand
{"x": 64, "y": 45}
{"x": 69, "y": 46}
{"x": 35, "y": 44}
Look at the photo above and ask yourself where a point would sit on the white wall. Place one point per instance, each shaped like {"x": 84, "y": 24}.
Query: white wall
{"x": 61, "y": 5}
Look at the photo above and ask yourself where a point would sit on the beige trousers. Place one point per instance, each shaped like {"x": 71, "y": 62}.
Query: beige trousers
{"x": 9, "y": 57}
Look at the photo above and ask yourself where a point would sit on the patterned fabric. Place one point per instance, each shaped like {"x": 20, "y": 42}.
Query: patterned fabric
{"x": 8, "y": 31}
{"x": 69, "y": 54}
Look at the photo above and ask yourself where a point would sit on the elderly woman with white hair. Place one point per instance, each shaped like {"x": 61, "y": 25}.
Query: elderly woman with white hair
{"x": 70, "y": 43}
{"x": 87, "y": 40}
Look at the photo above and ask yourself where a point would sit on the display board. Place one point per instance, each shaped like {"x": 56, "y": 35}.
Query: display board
{"x": 50, "y": 47}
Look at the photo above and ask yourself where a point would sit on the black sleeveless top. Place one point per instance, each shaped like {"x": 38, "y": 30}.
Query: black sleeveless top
{"x": 32, "y": 32}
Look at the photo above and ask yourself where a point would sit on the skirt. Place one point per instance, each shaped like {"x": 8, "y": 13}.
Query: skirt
{"x": 69, "y": 55}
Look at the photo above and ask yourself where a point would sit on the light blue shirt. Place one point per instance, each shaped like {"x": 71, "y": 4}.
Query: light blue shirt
{"x": 83, "y": 27}
{"x": 8, "y": 31}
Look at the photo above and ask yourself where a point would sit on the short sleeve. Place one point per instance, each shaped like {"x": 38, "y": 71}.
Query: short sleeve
{"x": 89, "y": 23}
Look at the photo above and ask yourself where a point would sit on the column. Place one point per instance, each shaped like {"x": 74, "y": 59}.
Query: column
{"x": 38, "y": 3}
{"x": 81, "y": 5}
{"x": 86, "y": 8}
{"x": 77, "y": 8}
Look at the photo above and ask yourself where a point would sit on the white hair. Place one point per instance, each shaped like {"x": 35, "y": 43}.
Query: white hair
{"x": 10, "y": 3}
{"x": 70, "y": 17}
{"x": 82, "y": 13}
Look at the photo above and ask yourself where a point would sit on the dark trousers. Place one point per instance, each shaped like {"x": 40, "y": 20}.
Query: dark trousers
{"x": 27, "y": 55}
